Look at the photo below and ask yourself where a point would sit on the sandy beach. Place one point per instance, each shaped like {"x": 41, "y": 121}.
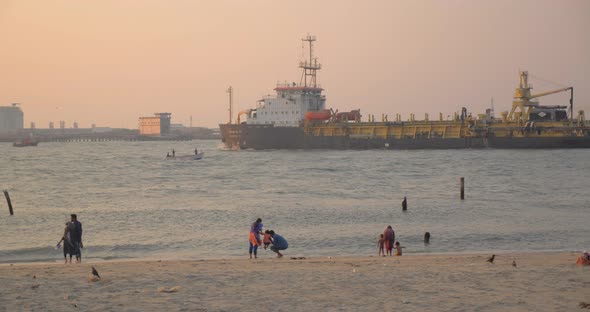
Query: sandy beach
{"x": 539, "y": 282}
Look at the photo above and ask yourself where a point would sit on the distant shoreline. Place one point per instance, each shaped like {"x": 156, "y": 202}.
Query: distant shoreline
{"x": 59, "y": 260}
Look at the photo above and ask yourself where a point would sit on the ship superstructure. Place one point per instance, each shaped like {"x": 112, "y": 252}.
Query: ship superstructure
{"x": 292, "y": 100}
{"x": 296, "y": 118}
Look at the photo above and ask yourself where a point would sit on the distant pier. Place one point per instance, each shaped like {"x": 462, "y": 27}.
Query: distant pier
{"x": 86, "y": 135}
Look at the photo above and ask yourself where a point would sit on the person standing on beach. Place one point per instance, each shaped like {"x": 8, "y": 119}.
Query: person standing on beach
{"x": 380, "y": 244}
{"x": 67, "y": 243}
{"x": 254, "y": 238}
{"x": 389, "y": 239}
{"x": 75, "y": 229}
{"x": 278, "y": 243}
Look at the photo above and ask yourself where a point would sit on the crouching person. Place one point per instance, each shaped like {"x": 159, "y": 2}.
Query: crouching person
{"x": 278, "y": 243}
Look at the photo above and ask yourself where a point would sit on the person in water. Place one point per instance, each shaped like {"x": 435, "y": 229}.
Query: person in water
{"x": 196, "y": 151}
{"x": 254, "y": 238}
{"x": 173, "y": 153}
{"x": 380, "y": 245}
{"x": 389, "y": 239}
{"x": 168, "y": 155}
{"x": 278, "y": 243}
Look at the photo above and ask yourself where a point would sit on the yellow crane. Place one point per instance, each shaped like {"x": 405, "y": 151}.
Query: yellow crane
{"x": 523, "y": 97}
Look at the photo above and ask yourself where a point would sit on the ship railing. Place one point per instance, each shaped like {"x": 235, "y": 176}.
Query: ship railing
{"x": 310, "y": 65}
{"x": 286, "y": 84}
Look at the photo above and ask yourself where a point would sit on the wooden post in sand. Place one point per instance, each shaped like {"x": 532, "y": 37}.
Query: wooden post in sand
{"x": 8, "y": 202}
{"x": 462, "y": 188}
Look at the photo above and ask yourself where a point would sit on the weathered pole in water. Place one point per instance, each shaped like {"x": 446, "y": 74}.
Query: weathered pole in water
{"x": 8, "y": 202}
{"x": 462, "y": 188}
{"x": 405, "y": 204}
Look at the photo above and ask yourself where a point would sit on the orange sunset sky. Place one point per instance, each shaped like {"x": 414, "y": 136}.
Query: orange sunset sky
{"x": 110, "y": 61}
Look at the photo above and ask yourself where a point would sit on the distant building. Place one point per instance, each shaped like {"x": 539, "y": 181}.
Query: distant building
{"x": 157, "y": 125}
{"x": 11, "y": 118}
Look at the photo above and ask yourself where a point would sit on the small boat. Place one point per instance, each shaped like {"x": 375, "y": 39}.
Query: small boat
{"x": 198, "y": 156}
{"x": 25, "y": 142}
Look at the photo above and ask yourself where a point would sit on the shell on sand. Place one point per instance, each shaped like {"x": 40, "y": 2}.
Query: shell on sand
{"x": 168, "y": 290}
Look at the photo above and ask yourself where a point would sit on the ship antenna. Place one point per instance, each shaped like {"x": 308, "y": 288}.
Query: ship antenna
{"x": 310, "y": 67}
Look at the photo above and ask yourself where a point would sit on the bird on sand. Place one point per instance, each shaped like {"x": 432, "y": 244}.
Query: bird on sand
{"x": 491, "y": 259}
{"x": 95, "y": 272}
{"x": 514, "y": 263}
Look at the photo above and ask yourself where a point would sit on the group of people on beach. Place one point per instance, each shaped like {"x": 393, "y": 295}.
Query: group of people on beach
{"x": 276, "y": 242}
{"x": 386, "y": 243}
{"x": 72, "y": 239}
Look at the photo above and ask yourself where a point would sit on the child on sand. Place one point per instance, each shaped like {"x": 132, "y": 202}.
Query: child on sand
{"x": 266, "y": 239}
{"x": 380, "y": 244}
{"x": 398, "y": 249}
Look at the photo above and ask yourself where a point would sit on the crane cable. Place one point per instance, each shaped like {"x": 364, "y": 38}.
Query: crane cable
{"x": 548, "y": 81}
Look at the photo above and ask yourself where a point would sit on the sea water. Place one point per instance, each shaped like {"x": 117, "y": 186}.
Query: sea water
{"x": 135, "y": 203}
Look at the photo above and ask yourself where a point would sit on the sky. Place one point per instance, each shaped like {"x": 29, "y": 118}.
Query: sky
{"x": 109, "y": 62}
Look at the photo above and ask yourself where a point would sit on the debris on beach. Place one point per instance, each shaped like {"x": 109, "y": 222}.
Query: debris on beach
{"x": 35, "y": 286}
{"x": 168, "y": 290}
{"x": 514, "y": 263}
{"x": 584, "y": 305}
{"x": 93, "y": 278}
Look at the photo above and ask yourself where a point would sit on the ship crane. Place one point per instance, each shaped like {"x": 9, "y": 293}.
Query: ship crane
{"x": 523, "y": 97}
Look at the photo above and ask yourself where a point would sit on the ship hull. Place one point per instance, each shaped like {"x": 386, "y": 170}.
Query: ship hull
{"x": 263, "y": 137}
{"x": 539, "y": 142}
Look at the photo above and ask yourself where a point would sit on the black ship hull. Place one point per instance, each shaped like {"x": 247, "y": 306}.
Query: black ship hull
{"x": 261, "y": 137}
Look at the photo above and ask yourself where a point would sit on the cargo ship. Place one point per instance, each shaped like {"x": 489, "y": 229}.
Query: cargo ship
{"x": 296, "y": 118}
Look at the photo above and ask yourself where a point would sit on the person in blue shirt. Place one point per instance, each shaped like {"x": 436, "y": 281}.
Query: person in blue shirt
{"x": 278, "y": 243}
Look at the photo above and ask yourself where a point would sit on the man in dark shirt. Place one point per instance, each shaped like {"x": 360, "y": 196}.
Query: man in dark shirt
{"x": 76, "y": 237}
{"x": 278, "y": 243}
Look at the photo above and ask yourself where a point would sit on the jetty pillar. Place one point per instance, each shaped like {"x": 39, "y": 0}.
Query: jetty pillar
{"x": 462, "y": 188}
{"x": 8, "y": 202}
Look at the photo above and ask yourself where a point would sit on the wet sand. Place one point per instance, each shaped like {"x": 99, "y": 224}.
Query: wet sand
{"x": 540, "y": 282}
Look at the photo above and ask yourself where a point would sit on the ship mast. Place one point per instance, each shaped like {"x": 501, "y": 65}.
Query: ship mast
{"x": 308, "y": 76}
{"x": 230, "y": 90}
